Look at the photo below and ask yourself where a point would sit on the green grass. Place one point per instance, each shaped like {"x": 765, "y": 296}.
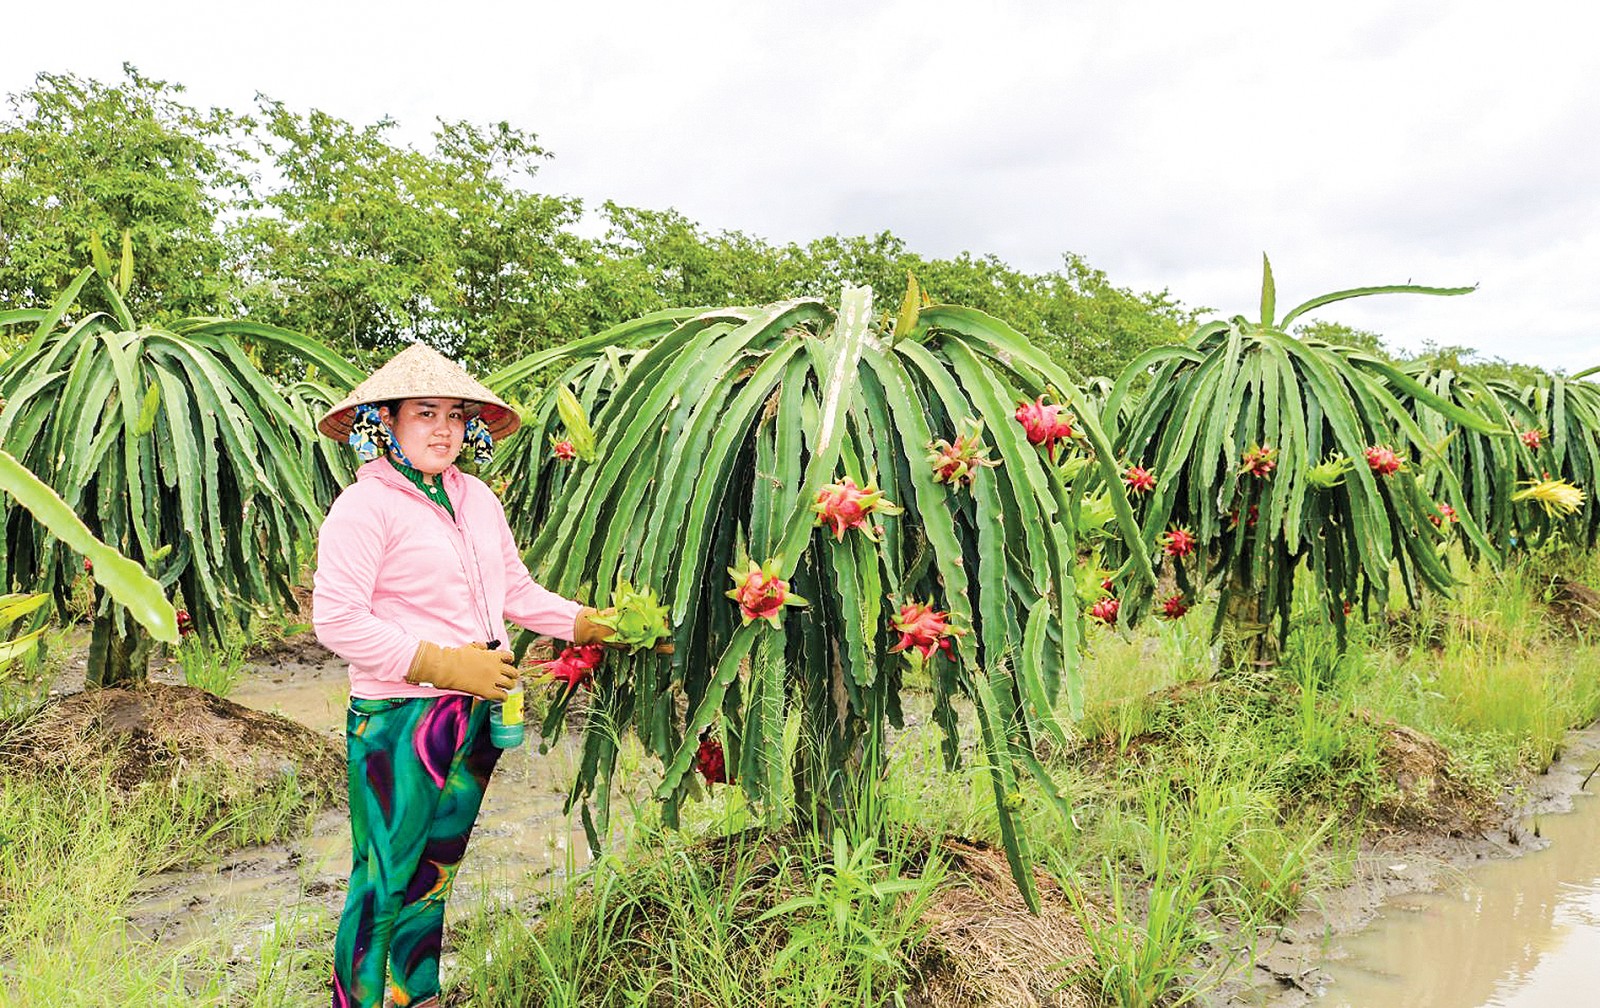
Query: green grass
{"x": 73, "y": 855}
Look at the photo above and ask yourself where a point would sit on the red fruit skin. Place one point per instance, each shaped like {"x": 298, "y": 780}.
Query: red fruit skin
{"x": 1179, "y": 542}
{"x": 841, "y": 507}
{"x": 760, "y": 596}
{"x": 710, "y": 762}
{"x": 1382, "y": 460}
{"x": 1105, "y": 610}
{"x": 1173, "y": 607}
{"x": 564, "y": 451}
{"x": 923, "y": 629}
{"x": 575, "y": 665}
{"x": 1043, "y": 424}
{"x": 1533, "y": 439}
{"x": 1139, "y": 480}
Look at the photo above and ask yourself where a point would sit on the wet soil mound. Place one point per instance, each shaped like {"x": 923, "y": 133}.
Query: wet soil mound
{"x": 156, "y": 733}
{"x": 984, "y": 949}
{"x": 1424, "y": 790}
{"x": 1575, "y": 606}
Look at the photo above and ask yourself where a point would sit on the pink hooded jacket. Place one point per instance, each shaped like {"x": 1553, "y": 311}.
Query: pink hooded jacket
{"x": 393, "y": 569}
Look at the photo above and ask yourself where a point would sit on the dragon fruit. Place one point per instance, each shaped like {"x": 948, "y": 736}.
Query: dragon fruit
{"x": 575, "y": 664}
{"x": 1383, "y": 460}
{"x": 957, "y": 463}
{"x": 1178, "y": 542}
{"x": 1259, "y": 461}
{"x": 1173, "y": 607}
{"x": 844, "y": 506}
{"x": 1253, "y": 517}
{"x": 923, "y": 628}
{"x": 709, "y": 760}
{"x": 1446, "y": 514}
{"x": 640, "y": 620}
{"x": 185, "y": 623}
{"x": 562, "y": 449}
{"x": 1105, "y": 610}
{"x": 1533, "y": 438}
{"x": 760, "y": 592}
{"x": 1045, "y": 424}
{"x": 1139, "y": 480}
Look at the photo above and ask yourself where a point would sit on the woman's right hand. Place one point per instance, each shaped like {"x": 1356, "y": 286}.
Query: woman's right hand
{"x": 471, "y": 668}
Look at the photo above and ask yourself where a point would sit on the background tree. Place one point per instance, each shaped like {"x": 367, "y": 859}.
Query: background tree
{"x": 81, "y": 160}
{"x": 366, "y": 245}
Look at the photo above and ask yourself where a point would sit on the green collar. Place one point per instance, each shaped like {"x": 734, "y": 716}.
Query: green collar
{"x": 433, "y": 491}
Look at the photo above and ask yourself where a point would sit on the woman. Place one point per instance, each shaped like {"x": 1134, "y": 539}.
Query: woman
{"x": 417, "y": 573}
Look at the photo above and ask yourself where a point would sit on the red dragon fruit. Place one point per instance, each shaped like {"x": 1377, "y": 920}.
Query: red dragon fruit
{"x": 1105, "y": 610}
{"x": 957, "y": 463}
{"x": 1173, "y": 607}
{"x": 1533, "y": 438}
{"x": 1259, "y": 461}
{"x": 185, "y": 624}
{"x": 1383, "y": 460}
{"x": 1139, "y": 480}
{"x": 1178, "y": 542}
{"x": 562, "y": 449}
{"x": 1254, "y": 516}
{"x": 923, "y": 628}
{"x": 1045, "y": 424}
{"x": 88, "y": 566}
{"x": 844, "y": 506}
{"x": 1447, "y": 514}
{"x": 760, "y": 592}
{"x": 574, "y": 665}
{"x": 709, "y": 760}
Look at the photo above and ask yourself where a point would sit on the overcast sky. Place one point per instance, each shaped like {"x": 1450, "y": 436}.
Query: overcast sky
{"x": 1168, "y": 143}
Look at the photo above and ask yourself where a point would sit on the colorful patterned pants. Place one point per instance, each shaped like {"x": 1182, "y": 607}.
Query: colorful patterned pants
{"x": 418, "y": 769}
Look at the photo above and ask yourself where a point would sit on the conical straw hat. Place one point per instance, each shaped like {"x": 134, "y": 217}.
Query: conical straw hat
{"x": 419, "y": 372}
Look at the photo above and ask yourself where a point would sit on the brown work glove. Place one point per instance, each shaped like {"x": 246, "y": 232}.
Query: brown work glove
{"x": 586, "y": 631}
{"x": 472, "y": 668}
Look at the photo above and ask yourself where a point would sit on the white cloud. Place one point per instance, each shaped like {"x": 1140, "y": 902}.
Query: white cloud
{"x": 1170, "y": 143}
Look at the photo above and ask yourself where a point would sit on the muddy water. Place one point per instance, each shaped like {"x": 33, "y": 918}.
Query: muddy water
{"x": 522, "y": 833}
{"x": 1523, "y": 933}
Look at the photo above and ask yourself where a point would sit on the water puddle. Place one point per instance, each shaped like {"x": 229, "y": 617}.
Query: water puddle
{"x": 1519, "y": 933}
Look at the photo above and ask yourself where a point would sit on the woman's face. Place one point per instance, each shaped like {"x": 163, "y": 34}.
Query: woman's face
{"x": 430, "y": 431}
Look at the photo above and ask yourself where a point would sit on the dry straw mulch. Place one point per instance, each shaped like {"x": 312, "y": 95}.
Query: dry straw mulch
{"x": 985, "y": 949}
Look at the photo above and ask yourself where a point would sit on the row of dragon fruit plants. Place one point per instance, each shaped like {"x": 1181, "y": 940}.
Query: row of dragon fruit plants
{"x": 818, "y": 501}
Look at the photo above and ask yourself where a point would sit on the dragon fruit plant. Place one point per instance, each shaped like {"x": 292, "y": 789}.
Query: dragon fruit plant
{"x": 1494, "y": 467}
{"x": 1250, "y": 432}
{"x": 168, "y": 443}
{"x": 745, "y": 461}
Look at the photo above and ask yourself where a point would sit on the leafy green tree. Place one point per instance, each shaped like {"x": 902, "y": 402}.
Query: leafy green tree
{"x": 173, "y": 449}
{"x": 366, "y": 245}
{"x": 83, "y": 162}
{"x": 671, "y": 263}
{"x": 720, "y": 436}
